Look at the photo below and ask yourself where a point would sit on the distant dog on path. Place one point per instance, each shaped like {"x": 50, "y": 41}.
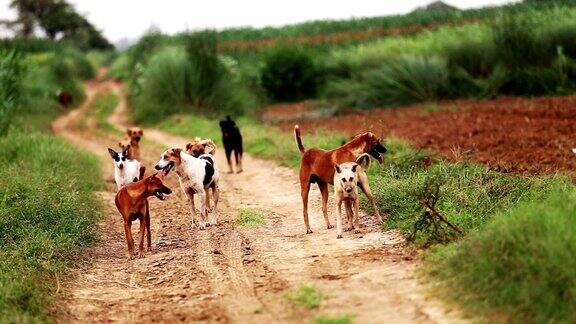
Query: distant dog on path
{"x": 200, "y": 146}
{"x": 232, "y": 140}
{"x": 133, "y": 137}
{"x": 318, "y": 166}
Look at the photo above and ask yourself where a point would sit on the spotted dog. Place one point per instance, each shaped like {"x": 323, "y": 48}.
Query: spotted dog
{"x": 197, "y": 176}
{"x": 125, "y": 170}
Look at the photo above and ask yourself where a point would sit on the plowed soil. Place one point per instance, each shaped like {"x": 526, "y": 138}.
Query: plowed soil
{"x": 518, "y": 135}
{"x": 230, "y": 273}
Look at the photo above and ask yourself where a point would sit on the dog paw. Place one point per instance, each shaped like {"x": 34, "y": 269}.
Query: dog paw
{"x": 357, "y": 231}
{"x": 330, "y": 226}
{"x": 202, "y": 226}
{"x": 348, "y": 229}
{"x": 229, "y": 172}
{"x": 339, "y": 236}
{"x": 309, "y": 231}
{"x": 239, "y": 171}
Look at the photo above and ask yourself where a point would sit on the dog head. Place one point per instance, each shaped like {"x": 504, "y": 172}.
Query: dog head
{"x": 201, "y": 146}
{"x": 169, "y": 160}
{"x": 135, "y": 134}
{"x": 124, "y": 144}
{"x": 347, "y": 176}
{"x": 119, "y": 157}
{"x": 155, "y": 186}
{"x": 228, "y": 126}
{"x": 372, "y": 146}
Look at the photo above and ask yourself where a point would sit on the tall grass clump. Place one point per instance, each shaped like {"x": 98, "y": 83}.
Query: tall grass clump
{"x": 192, "y": 78}
{"x": 289, "y": 73}
{"x": 520, "y": 266}
{"x": 48, "y": 213}
{"x": 11, "y": 72}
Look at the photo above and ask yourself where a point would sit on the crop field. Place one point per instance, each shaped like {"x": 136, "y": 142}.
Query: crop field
{"x": 475, "y": 109}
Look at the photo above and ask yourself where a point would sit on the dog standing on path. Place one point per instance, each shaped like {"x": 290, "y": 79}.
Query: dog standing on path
{"x": 200, "y": 146}
{"x": 125, "y": 170}
{"x": 346, "y": 179}
{"x": 132, "y": 203}
{"x": 133, "y": 137}
{"x": 232, "y": 140}
{"x": 318, "y": 166}
{"x": 197, "y": 176}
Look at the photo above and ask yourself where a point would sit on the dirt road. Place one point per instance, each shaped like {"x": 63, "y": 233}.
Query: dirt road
{"x": 231, "y": 273}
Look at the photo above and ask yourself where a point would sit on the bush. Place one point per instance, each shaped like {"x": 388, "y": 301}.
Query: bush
{"x": 475, "y": 57}
{"x": 289, "y": 73}
{"x": 522, "y": 263}
{"x": 177, "y": 80}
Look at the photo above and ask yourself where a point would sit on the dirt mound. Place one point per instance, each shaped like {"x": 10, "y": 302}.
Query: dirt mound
{"x": 519, "y": 135}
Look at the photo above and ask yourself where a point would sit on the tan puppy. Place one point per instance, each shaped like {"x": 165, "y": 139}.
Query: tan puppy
{"x": 132, "y": 203}
{"x": 133, "y": 137}
{"x": 346, "y": 179}
{"x": 200, "y": 146}
{"x": 318, "y": 166}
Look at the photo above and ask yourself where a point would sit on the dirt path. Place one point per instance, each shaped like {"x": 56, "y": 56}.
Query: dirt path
{"x": 230, "y": 273}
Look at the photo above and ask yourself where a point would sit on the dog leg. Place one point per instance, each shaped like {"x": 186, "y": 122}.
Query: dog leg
{"x": 238, "y": 162}
{"x": 339, "y": 220}
{"x": 190, "y": 195}
{"x": 203, "y": 216}
{"x": 228, "y": 153}
{"x": 368, "y": 192}
{"x": 305, "y": 188}
{"x": 324, "y": 191}
{"x": 216, "y": 194}
{"x": 356, "y": 216}
{"x": 349, "y": 216}
{"x": 129, "y": 240}
{"x": 142, "y": 235}
{"x": 148, "y": 233}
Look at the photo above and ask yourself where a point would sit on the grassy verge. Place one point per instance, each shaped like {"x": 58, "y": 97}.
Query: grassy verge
{"x": 501, "y": 261}
{"x": 47, "y": 215}
{"x": 250, "y": 217}
{"x": 103, "y": 105}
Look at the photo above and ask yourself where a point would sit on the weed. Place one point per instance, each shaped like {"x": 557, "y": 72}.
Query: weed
{"x": 307, "y": 296}
{"x": 342, "y": 319}
{"x": 250, "y": 217}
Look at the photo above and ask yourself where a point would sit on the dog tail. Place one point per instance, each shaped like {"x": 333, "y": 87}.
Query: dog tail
{"x": 298, "y": 138}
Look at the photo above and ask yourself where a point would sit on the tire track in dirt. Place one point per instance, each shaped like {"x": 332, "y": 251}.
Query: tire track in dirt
{"x": 233, "y": 274}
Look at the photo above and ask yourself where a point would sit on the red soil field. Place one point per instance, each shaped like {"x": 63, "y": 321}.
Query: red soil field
{"x": 519, "y": 135}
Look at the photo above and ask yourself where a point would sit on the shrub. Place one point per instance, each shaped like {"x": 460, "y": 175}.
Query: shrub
{"x": 307, "y": 296}
{"x": 11, "y": 73}
{"x": 177, "y": 80}
{"x": 289, "y": 73}
{"x": 522, "y": 263}
{"x": 250, "y": 217}
{"x": 475, "y": 57}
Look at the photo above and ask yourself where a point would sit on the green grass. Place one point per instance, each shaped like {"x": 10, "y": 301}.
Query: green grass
{"x": 250, "y": 217}
{"x": 48, "y": 214}
{"x": 307, "y": 296}
{"x": 341, "y": 319}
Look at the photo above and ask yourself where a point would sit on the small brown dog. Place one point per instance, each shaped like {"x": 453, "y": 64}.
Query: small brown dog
{"x": 132, "y": 140}
{"x": 132, "y": 203}
{"x": 318, "y": 166}
{"x": 200, "y": 146}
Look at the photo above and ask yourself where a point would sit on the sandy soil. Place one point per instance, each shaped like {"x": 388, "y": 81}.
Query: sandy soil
{"x": 230, "y": 273}
{"x": 521, "y": 135}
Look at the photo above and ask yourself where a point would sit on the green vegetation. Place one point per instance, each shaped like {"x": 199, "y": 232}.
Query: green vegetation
{"x": 342, "y": 319}
{"x": 48, "y": 213}
{"x": 250, "y": 217}
{"x": 48, "y": 209}
{"x": 521, "y": 263}
{"x": 307, "y": 296}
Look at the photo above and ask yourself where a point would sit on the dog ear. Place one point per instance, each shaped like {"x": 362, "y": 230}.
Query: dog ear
{"x": 111, "y": 152}
{"x": 125, "y": 151}
{"x": 338, "y": 170}
{"x": 188, "y": 146}
{"x": 128, "y": 131}
{"x": 354, "y": 167}
{"x": 364, "y": 161}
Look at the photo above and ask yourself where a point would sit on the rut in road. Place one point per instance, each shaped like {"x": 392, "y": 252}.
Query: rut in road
{"x": 229, "y": 273}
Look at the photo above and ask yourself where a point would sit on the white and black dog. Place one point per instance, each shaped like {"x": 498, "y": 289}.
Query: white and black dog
{"x": 197, "y": 176}
{"x": 126, "y": 171}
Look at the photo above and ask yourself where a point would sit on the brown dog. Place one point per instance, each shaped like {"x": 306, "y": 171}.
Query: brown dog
{"x": 133, "y": 137}
{"x": 318, "y": 166}
{"x": 132, "y": 203}
{"x": 200, "y": 146}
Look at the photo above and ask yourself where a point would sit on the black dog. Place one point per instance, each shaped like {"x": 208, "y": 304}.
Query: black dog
{"x": 232, "y": 140}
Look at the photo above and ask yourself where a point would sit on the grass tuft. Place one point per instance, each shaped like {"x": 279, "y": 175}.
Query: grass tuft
{"x": 341, "y": 319}
{"x": 307, "y": 296}
{"x": 250, "y": 217}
